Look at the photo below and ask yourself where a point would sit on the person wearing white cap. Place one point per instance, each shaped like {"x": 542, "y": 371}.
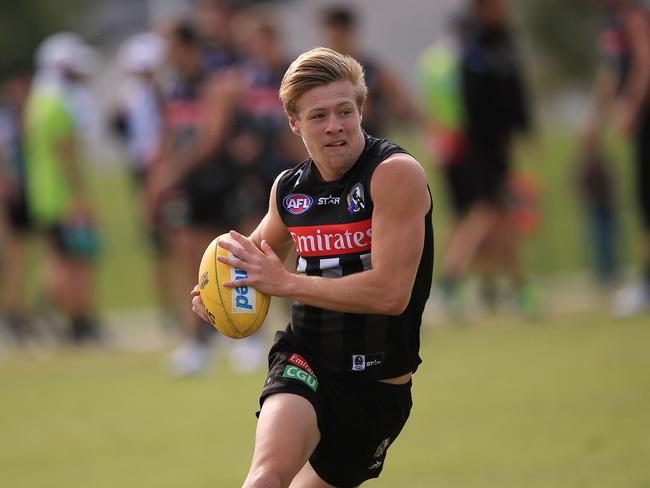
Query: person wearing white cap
{"x": 56, "y": 189}
{"x": 139, "y": 105}
{"x": 138, "y": 120}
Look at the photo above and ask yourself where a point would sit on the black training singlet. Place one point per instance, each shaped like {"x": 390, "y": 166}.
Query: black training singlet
{"x": 330, "y": 223}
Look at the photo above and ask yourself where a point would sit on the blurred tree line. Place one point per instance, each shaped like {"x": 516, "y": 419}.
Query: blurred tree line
{"x": 561, "y": 33}
{"x": 562, "y": 36}
{"x": 24, "y": 23}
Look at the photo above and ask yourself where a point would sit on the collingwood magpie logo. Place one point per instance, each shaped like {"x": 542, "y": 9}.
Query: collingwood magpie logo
{"x": 356, "y": 201}
{"x": 360, "y": 362}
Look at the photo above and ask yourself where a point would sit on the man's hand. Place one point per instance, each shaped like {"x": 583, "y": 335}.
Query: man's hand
{"x": 197, "y": 304}
{"x": 265, "y": 270}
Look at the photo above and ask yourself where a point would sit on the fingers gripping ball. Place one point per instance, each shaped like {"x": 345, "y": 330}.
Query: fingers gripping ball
{"x": 235, "y": 312}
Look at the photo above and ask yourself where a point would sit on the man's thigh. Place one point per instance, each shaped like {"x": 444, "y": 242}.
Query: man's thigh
{"x": 287, "y": 433}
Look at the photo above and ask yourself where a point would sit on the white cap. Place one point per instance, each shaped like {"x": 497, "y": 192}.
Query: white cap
{"x": 66, "y": 50}
{"x": 141, "y": 52}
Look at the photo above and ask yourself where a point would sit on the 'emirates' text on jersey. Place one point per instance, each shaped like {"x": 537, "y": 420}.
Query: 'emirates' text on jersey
{"x": 331, "y": 226}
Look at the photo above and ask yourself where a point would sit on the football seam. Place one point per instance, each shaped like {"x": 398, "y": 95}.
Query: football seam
{"x": 257, "y": 315}
{"x": 216, "y": 274}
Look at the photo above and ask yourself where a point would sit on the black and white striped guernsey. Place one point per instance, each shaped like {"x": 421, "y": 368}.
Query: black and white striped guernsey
{"x": 331, "y": 225}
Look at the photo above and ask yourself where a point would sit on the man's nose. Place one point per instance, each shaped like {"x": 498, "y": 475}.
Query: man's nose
{"x": 333, "y": 124}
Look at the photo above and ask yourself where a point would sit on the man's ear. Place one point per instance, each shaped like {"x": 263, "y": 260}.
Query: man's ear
{"x": 293, "y": 123}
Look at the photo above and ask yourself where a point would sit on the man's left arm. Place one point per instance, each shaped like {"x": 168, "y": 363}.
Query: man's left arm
{"x": 401, "y": 201}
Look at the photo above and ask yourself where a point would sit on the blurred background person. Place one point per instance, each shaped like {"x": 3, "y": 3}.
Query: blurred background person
{"x": 138, "y": 116}
{"x": 440, "y": 97}
{"x": 622, "y": 88}
{"x": 260, "y": 146}
{"x": 181, "y": 187}
{"x": 387, "y": 99}
{"x": 495, "y": 110}
{"x": 15, "y": 223}
{"x": 138, "y": 121}
{"x": 214, "y": 20}
{"x": 597, "y": 189}
{"x": 58, "y": 109}
{"x": 208, "y": 179}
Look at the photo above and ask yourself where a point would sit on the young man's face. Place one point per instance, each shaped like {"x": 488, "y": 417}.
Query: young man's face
{"x": 329, "y": 123}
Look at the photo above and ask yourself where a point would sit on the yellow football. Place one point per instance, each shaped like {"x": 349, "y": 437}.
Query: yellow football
{"x": 235, "y": 312}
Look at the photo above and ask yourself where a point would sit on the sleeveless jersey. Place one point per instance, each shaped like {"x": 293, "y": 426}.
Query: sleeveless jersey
{"x": 331, "y": 225}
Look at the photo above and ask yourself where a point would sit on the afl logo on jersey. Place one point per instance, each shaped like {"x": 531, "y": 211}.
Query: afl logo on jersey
{"x": 297, "y": 203}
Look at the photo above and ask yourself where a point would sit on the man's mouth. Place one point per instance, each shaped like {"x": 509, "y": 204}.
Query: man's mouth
{"x": 336, "y": 144}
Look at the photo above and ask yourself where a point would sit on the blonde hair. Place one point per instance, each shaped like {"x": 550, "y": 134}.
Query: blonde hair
{"x": 317, "y": 67}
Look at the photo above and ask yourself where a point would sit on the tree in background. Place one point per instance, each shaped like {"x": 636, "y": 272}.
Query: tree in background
{"x": 26, "y": 23}
{"x": 562, "y": 34}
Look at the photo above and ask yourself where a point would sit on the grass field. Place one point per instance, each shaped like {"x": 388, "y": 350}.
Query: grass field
{"x": 504, "y": 403}
{"x": 501, "y": 403}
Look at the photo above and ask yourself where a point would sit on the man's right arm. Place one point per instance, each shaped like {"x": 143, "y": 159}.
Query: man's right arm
{"x": 271, "y": 228}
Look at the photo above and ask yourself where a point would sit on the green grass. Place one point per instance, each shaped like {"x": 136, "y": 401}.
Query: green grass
{"x": 561, "y": 404}
{"x": 504, "y": 404}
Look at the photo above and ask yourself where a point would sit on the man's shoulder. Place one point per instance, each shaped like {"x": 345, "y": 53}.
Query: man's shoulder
{"x": 400, "y": 165}
{"x": 378, "y": 149}
{"x": 292, "y": 177}
{"x": 401, "y": 177}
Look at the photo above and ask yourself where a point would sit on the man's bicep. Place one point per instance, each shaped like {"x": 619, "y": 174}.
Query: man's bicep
{"x": 401, "y": 202}
{"x": 398, "y": 239}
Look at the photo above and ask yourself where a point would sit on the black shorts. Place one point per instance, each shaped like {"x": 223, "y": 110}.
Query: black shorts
{"x": 206, "y": 190}
{"x": 488, "y": 168}
{"x": 459, "y": 187}
{"x": 79, "y": 241}
{"x": 358, "y": 419}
